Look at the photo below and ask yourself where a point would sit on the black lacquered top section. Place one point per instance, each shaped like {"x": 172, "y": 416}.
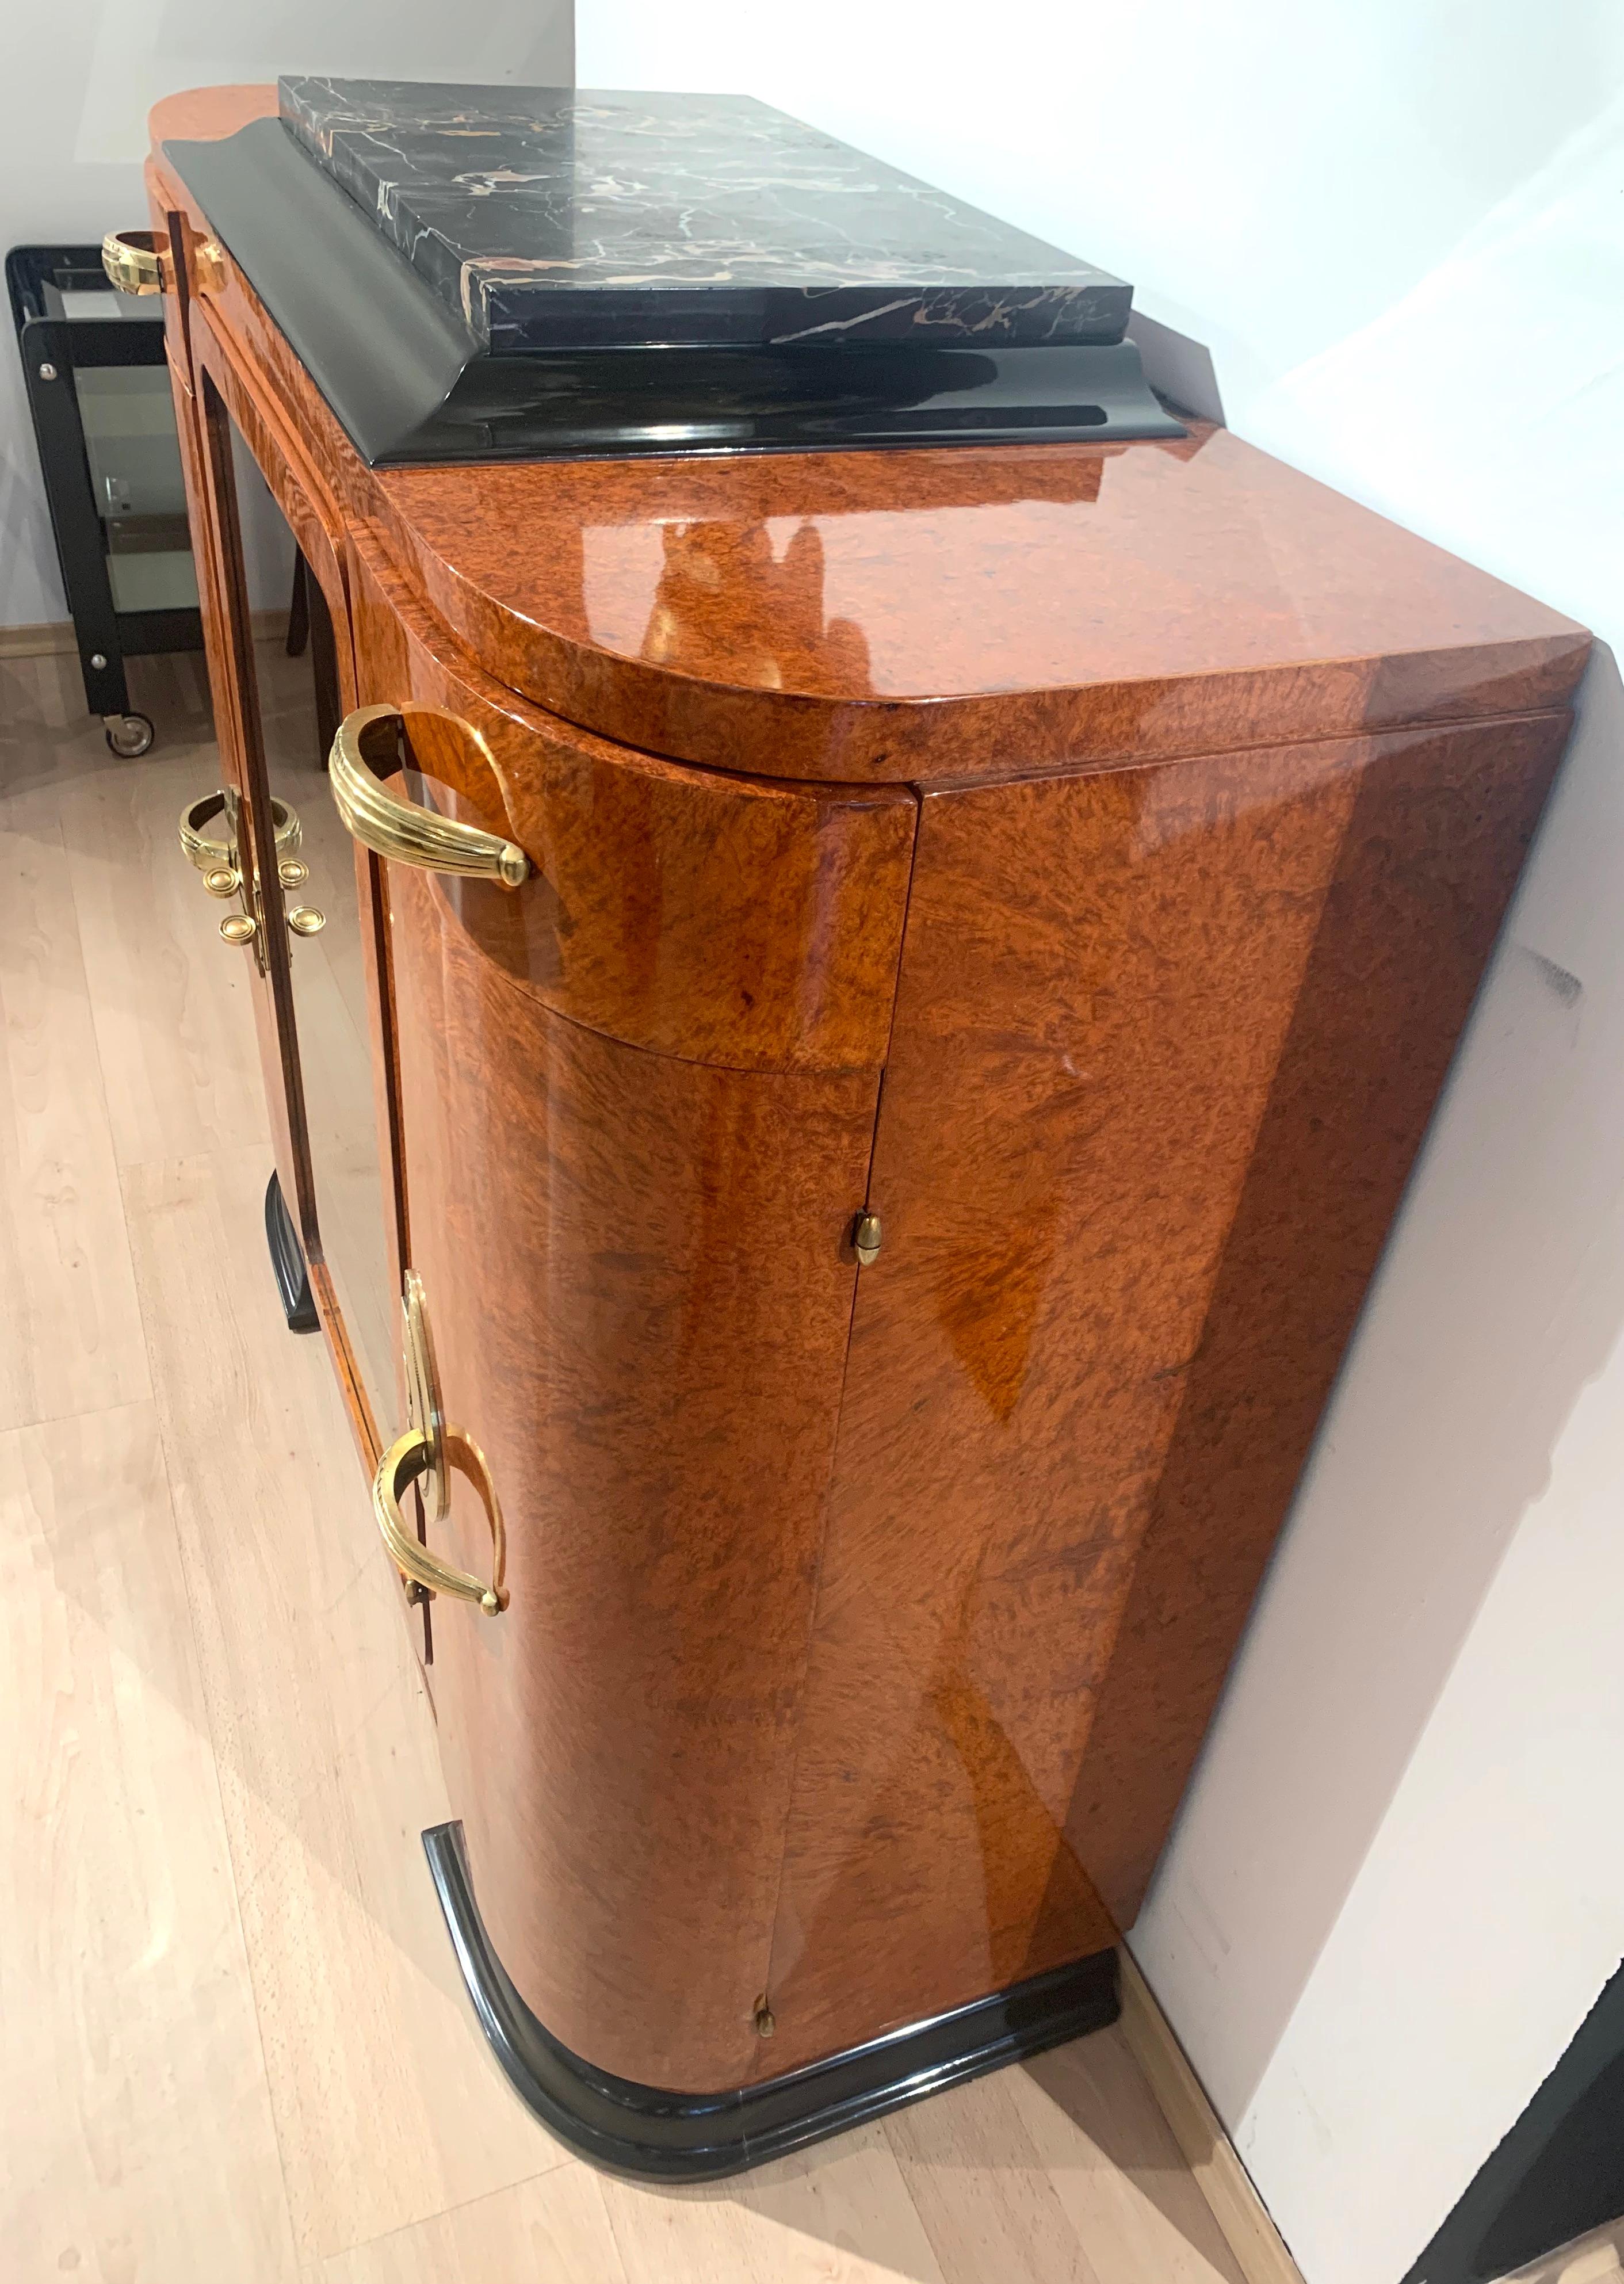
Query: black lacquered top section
{"x": 412, "y": 379}
{"x": 550, "y": 218}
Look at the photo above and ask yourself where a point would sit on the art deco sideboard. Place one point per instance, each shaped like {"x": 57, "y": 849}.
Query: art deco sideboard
{"x": 845, "y": 1030}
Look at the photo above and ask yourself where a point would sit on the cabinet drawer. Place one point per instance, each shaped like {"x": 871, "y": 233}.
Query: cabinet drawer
{"x": 724, "y": 919}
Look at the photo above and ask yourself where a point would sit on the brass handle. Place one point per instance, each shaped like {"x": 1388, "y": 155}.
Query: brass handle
{"x": 134, "y": 261}
{"x": 214, "y": 854}
{"x": 217, "y": 857}
{"x": 401, "y": 830}
{"x": 141, "y": 262}
{"x": 408, "y": 1457}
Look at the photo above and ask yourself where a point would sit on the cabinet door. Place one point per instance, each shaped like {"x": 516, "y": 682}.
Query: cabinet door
{"x": 1166, "y": 1040}
{"x": 637, "y": 1097}
{"x": 308, "y": 912}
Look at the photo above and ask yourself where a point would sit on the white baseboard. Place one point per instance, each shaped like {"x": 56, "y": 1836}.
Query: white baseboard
{"x": 56, "y": 638}
{"x": 1259, "y": 2247}
{"x": 49, "y": 639}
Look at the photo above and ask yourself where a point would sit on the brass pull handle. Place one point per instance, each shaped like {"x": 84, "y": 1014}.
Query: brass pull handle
{"x": 408, "y": 1457}
{"x": 134, "y": 261}
{"x": 425, "y": 1455}
{"x": 216, "y": 857}
{"x": 405, "y": 831}
{"x": 214, "y": 854}
{"x": 140, "y": 262}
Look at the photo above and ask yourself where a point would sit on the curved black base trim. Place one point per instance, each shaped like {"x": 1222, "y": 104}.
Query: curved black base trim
{"x": 287, "y": 1260}
{"x": 645, "y": 2130}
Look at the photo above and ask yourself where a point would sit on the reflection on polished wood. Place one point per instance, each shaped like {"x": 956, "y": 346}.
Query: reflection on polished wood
{"x": 1191, "y": 600}
{"x": 223, "y": 1753}
{"x": 982, "y": 612}
{"x": 333, "y": 1119}
{"x": 1166, "y": 1042}
{"x": 331, "y": 997}
{"x": 727, "y": 920}
{"x": 620, "y": 1744}
{"x": 1080, "y": 860}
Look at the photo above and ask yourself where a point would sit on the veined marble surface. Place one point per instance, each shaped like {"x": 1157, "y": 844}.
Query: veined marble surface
{"x": 561, "y": 218}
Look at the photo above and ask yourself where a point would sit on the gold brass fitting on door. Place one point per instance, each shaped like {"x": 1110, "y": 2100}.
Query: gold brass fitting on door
{"x": 401, "y": 1466}
{"x": 217, "y": 858}
{"x": 136, "y": 260}
{"x": 865, "y": 1237}
{"x": 140, "y": 262}
{"x": 404, "y": 830}
{"x": 426, "y": 1454}
{"x": 214, "y": 854}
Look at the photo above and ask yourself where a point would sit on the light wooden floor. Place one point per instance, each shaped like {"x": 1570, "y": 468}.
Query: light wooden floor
{"x": 235, "y": 2046}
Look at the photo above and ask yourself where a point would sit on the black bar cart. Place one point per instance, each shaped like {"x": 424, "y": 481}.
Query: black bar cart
{"x": 93, "y": 363}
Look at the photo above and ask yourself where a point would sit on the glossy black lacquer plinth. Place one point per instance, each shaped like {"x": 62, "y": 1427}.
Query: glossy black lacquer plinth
{"x": 659, "y": 2135}
{"x": 410, "y": 379}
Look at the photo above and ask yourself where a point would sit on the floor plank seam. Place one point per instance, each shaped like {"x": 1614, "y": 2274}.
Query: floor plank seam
{"x": 563, "y": 2157}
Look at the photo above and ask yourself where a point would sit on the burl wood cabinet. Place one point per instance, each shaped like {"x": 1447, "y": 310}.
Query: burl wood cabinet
{"x": 880, "y": 1005}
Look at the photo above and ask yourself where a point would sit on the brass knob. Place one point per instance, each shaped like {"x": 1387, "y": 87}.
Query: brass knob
{"x": 304, "y": 920}
{"x": 134, "y": 261}
{"x": 865, "y": 1237}
{"x": 222, "y": 879}
{"x": 291, "y": 873}
{"x": 239, "y": 928}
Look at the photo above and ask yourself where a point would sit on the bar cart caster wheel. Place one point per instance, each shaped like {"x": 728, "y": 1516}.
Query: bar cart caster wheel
{"x": 129, "y": 735}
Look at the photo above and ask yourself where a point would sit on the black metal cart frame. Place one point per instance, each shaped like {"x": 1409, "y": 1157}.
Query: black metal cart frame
{"x": 53, "y": 348}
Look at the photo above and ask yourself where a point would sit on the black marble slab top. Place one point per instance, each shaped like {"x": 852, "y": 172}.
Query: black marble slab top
{"x": 552, "y": 219}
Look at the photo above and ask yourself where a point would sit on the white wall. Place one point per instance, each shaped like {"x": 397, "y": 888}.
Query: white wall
{"x": 1399, "y": 226}
{"x": 81, "y": 75}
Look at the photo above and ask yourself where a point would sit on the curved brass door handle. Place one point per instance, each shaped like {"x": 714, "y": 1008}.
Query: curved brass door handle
{"x": 141, "y": 262}
{"x": 425, "y": 1455}
{"x": 134, "y": 261}
{"x": 215, "y": 855}
{"x": 401, "y": 830}
{"x": 219, "y": 858}
{"x": 408, "y": 1457}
